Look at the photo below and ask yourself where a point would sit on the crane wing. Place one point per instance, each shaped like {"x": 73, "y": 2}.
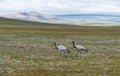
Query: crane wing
{"x": 79, "y": 47}
{"x": 61, "y": 47}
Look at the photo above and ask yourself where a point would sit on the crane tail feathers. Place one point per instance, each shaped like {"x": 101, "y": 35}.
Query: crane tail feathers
{"x": 86, "y": 50}
{"x": 68, "y": 51}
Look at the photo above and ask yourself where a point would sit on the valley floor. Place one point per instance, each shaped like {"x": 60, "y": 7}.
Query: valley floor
{"x": 29, "y": 51}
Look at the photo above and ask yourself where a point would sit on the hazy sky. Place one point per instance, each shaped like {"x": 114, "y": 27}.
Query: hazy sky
{"x": 60, "y": 6}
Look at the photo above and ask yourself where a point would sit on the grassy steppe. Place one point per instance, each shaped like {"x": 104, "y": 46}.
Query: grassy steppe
{"x": 26, "y": 49}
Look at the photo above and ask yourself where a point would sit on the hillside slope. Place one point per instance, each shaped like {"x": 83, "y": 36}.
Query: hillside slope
{"x": 14, "y": 22}
{"x": 37, "y": 17}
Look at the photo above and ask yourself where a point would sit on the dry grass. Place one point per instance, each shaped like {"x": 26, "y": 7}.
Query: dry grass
{"x": 28, "y": 51}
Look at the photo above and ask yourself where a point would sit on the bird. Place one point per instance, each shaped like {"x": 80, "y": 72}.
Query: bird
{"x": 79, "y": 47}
{"x": 61, "y": 47}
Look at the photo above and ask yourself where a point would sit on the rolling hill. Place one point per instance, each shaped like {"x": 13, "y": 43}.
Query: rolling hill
{"x": 15, "y": 22}
{"x": 37, "y": 17}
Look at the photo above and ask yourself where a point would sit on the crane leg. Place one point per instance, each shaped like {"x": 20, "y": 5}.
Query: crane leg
{"x": 79, "y": 53}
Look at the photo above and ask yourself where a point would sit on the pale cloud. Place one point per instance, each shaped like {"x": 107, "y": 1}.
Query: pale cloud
{"x": 60, "y": 6}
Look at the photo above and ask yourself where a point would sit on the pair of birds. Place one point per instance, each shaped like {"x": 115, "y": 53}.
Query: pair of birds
{"x": 63, "y": 48}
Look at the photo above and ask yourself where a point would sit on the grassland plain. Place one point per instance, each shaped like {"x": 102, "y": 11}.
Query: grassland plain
{"x": 26, "y": 49}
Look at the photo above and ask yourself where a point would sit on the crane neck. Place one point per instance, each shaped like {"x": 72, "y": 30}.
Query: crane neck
{"x": 55, "y": 45}
{"x": 73, "y": 44}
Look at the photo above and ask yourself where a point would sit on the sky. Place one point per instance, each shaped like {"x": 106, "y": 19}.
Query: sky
{"x": 57, "y": 7}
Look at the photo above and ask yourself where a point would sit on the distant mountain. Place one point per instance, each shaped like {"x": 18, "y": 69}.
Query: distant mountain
{"x": 93, "y": 18}
{"x": 109, "y": 15}
{"x": 32, "y": 16}
{"x": 72, "y": 19}
{"x": 40, "y": 17}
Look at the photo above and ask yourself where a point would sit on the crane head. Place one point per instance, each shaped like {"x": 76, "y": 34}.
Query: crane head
{"x": 73, "y": 41}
